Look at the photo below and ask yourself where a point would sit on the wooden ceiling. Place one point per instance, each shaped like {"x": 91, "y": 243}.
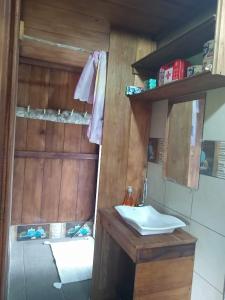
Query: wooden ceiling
{"x": 152, "y": 17}
{"x": 86, "y": 23}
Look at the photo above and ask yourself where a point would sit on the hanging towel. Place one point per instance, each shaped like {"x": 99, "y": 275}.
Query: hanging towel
{"x": 91, "y": 88}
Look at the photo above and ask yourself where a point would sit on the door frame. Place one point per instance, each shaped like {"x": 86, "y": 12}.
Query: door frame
{"x": 9, "y": 58}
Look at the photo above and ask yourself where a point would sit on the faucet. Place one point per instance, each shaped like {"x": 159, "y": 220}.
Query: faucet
{"x": 144, "y": 194}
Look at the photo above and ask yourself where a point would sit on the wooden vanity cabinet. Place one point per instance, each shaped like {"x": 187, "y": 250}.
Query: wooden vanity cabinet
{"x": 155, "y": 267}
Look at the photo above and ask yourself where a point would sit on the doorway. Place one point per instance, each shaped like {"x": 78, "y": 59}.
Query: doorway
{"x": 54, "y": 187}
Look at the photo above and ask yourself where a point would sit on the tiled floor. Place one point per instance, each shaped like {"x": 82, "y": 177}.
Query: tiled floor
{"x": 33, "y": 272}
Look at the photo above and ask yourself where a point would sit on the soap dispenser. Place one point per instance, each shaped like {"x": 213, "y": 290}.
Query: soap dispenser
{"x": 128, "y": 199}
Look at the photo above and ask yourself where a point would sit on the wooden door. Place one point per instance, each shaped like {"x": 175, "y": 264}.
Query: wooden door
{"x": 55, "y": 170}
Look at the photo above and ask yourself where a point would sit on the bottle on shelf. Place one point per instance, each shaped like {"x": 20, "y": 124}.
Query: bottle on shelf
{"x": 129, "y": 199}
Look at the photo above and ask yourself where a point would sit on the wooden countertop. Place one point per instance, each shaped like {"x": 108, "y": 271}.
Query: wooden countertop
{"x": 146, "y": 248}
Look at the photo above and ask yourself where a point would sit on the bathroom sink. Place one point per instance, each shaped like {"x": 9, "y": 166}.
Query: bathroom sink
{"x": 147, "y": 221}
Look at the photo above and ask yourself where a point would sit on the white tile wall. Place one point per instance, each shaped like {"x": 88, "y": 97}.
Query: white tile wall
{"x": 202, "y": 290}
{"x": 215, "y": 115}
{"x": 156, "y": 183}
{"x": 174, "y": 213}
{"x": 178, "y": 198}
{"x": 209, "y": 203}
{"x": 210, "y": 255}
{"x": 204, "y": 208}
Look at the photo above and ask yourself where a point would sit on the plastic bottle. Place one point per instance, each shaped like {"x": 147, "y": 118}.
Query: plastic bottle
{"x": 128, "y": 199}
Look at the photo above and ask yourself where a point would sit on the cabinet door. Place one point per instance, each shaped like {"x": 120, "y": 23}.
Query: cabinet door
{"x": 183, "y": 142}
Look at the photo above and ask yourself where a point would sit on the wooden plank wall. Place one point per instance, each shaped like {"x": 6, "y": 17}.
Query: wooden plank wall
{"x": 124, "y": 128}
{"x": 44, "y": 19}
{"x": 51, "y": 190}
{"x": 139, "y": 128}
{"x": 67, "y": 22}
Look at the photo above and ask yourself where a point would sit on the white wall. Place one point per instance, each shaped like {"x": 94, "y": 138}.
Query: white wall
{"x": 204, "y": 209}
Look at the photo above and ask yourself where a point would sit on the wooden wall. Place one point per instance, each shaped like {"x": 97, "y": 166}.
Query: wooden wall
{"x": 51, "y": 190}
{"x": 66, "y": 22}
{"x": 125, "y": 131}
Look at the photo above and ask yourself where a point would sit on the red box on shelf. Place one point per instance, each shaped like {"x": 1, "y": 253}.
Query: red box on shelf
{"x": 175, "y": 70}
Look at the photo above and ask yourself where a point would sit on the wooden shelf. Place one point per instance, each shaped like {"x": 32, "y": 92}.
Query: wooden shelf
{"x": 192, "y": 85}
{"x": 184, "y": 46}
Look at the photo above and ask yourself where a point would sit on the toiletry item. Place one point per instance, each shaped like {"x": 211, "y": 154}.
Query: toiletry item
{"x": 161, "y": 76}
{"x": 208, "y": 53}
{"x": 133, "y": 90}
{"x": 128, "y": 199}
{"x": 174, "y": 70}
{"x": 150, "y": 84}
{"x": 194, "y": 70}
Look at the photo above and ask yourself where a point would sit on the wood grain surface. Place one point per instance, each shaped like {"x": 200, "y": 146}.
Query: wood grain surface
{"x": 168, "y": 279}
{"x": 52, "y": 177}
{"x": 93, "y": 19}
{"x": 146, "y": 248}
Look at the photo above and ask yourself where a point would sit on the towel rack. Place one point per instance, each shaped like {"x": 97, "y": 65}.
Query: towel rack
{"x": 66, "y": 116}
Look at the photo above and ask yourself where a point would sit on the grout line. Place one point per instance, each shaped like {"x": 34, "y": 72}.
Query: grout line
{"x": 167, "y": 207}
{"x": 203, "y": 278}
{"x": 189, "y": 218}
{"x": 194, "y": 270}
{"x": 218, "y": 233}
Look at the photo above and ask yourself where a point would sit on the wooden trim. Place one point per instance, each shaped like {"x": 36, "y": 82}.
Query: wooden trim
{"x": 219, "y": 53}
{"x": 9, "y": 31}
{"x": 55, "y": 155}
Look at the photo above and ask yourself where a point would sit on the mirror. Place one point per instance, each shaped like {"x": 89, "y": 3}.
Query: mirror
{"x": 183, "y": 142}
{"x": 212, "y": 159}
{"x": 156, "y": 150}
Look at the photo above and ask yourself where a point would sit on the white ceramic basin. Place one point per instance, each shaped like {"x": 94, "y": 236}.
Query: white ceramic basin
{"x": 146, "y": 220}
